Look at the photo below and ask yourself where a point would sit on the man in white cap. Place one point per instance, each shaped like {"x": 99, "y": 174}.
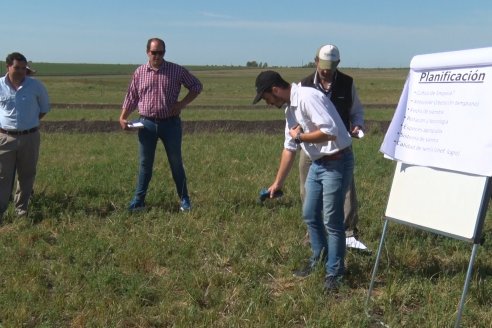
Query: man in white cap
{"x": 340, "y": 88}
{"x": 29, "y": 69}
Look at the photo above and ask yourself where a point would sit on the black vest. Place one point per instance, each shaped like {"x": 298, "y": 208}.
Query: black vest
{"x": 341, "y": 94}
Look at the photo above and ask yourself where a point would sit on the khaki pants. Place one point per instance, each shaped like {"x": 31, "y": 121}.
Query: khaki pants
{"x": 351, "y": 215}
{"x": 18, "y": 154}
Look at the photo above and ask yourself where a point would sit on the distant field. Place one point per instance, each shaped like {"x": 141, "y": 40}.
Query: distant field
{"x": 227, "y": 93}
{"x": 224, "y": 85}
{"x": 72, "y": 69}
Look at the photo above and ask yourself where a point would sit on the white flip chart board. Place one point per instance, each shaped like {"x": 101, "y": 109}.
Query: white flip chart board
{"x": 443, "y": 111}
{"x": 442, "y": 201}
{"x": 442, "y": 178}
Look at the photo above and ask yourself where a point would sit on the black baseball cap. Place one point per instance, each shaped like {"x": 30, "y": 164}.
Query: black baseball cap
{"x": 264, "y": 81}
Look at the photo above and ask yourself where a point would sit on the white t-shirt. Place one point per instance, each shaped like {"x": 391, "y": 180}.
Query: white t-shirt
{"x": 314, "y": 111}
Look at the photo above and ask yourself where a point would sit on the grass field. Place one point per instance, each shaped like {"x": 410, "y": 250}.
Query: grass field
{"x": 228, "y": 87}
{"x": 81, "y": 260}
{"x": 192, "y": 114}
{"x": 84, "y": 262}
{"x": 227, "y": 93}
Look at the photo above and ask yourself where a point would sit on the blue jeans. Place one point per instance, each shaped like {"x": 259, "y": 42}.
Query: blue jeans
{"x": 169, "y": 131}
{"x": 326, "y": 185}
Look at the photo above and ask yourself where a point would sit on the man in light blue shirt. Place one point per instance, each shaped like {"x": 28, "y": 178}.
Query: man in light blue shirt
{"x": 23, "y": 102}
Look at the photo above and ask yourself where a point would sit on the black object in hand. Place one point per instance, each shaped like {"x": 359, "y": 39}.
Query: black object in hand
{"x": 265, "y": 194}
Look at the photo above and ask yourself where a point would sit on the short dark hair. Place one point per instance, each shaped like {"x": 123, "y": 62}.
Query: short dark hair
{"x": 15, "y": 56}
{"x": 156, "y": 40}
{"x": 282, "y": 84}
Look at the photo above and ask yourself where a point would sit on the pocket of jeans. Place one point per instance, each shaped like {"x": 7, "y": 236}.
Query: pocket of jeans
{"x": 3, "y": 139}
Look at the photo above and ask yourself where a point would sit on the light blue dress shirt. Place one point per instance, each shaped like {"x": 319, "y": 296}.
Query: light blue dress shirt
{"x": 20, "y": 109}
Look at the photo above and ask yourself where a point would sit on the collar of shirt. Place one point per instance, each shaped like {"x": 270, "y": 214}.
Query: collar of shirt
{"x": 20, "y": 109}
{"x": 317, "y": 83}
{"x": 294, "y": 98}
{"x": 151, "y": 68}
{"x": 293, "y": 106}
{"x": 9, "y": 83}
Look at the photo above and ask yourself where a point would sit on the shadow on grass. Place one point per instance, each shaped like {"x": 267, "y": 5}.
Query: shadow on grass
{"x": 45, "y": 205}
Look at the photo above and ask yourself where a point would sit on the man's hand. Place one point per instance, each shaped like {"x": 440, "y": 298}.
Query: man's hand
{"x": 123, "y": 119}
{"x": 124, "y": 124}
{"x": 275, "y": 187}
{"x": 356, "y": 130}
{"x": 295, "y": 130}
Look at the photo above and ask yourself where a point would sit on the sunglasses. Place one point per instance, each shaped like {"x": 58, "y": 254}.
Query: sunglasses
{"x": 157, "y": 53}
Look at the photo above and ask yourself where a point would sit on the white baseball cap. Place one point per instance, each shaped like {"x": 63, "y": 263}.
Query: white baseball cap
{"x": 29, "y": 68}
{"x": 328, "y": 57}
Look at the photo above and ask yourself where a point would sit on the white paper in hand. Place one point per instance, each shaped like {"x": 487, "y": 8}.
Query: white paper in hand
{"x": 135, "y": 125}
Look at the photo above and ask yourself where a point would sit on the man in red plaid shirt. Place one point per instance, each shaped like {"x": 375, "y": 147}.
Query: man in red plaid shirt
{"x": 154, "y": 90}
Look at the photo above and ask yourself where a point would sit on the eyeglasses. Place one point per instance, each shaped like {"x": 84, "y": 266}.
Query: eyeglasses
{"x": 157, "y": 53}
{"x": 19, "y": 68}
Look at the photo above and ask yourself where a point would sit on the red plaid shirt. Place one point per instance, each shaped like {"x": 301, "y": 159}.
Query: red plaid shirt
{"x": 155, "y": 92}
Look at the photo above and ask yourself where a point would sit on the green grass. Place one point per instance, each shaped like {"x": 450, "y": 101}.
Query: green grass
{"x": 84, "y": 69}
{"x": 189, "y": 114}
{"x": 81, "y": 260}
{"x": 227, "y": 93}
{"x": 84, "y": 262}
{"x": 222, "y": 87}
{"x": 193, "y": 113}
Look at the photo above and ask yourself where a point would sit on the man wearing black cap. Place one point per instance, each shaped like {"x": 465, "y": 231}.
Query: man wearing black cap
{"x": 313, "y": 124}
{"x": 340, "y": 88}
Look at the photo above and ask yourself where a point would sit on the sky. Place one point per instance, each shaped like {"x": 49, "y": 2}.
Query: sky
{"x": 369, "y": 34}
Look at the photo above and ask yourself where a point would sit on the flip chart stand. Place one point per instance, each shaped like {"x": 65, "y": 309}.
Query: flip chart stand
{"x": 470, "y": 223}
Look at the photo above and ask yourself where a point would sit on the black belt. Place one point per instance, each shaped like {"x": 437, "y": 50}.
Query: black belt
{"x": 17, "y": 132}
{"x": 333, "y": 157}
{"x": 156, "y": 120}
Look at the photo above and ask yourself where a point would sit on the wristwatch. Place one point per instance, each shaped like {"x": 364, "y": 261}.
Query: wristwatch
{"x": 297, "y": 139}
